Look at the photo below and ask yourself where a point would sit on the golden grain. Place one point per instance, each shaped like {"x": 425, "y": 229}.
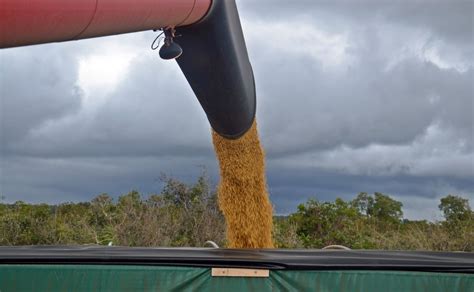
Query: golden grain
{"x": 242, "y": 190}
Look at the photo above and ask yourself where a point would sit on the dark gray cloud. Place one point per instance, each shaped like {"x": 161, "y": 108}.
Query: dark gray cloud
{"x": 451, "y": 20}
{"x": 419, "y": 194}
{"x": 361, "y": 106}
{"x": 57, "y": 180}
{"x": 36, "y": 88}
{"x": 150, "y": 113}
{"x": 352, "y": 96}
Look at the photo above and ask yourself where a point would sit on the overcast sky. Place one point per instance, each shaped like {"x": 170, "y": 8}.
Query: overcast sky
{"x": 352, "y": 96}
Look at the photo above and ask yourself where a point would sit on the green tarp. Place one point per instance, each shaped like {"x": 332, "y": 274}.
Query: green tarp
{"x": 56, "y": 277}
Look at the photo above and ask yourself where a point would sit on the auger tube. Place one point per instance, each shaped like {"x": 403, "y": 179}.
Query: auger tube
{"x": 27, "y": 22}
{"x": 214, "y": 61}
{"x": 216, "y": 64}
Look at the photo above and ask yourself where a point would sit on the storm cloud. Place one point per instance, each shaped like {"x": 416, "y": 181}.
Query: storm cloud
{"x": 352, "y": 96}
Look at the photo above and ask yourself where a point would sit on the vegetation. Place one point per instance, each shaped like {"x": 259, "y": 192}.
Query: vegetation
{"x": 376, "y": 222}
{"x": 188, "y": 215}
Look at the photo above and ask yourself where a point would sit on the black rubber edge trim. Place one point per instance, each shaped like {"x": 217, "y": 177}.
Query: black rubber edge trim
{"x": 447, "y": 262}
{"x": 234, "y": 264}
{"x": 216, "y": 64}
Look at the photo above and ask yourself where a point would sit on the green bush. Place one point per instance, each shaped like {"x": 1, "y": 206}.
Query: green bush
{"x": 188, "y": 215}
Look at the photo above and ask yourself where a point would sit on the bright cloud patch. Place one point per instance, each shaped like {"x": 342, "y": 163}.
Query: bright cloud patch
{"x": 103, "y": 72}
{"x": 328, "y": 49}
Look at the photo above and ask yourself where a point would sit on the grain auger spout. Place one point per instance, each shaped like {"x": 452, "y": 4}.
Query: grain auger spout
{"x": 216, "y": 65}
{"x": 214, "y": 57}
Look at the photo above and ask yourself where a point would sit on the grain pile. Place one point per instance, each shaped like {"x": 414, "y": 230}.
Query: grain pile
{"x": 242, "y": 191}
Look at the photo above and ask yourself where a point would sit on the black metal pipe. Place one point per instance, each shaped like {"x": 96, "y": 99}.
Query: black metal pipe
{"x": 216, "y": 64}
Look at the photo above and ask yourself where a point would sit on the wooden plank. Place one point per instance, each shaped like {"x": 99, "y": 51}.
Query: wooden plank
{"x": 234, "y": 272}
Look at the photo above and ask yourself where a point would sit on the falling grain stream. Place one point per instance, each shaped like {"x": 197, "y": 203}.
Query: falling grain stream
{"x": 242, "y": 190}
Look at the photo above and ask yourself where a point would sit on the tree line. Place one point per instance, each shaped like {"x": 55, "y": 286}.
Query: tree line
{"x": 188, "y": 215}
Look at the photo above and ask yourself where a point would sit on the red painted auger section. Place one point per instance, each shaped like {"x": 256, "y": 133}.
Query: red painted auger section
{"x": 28, "y": 22}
